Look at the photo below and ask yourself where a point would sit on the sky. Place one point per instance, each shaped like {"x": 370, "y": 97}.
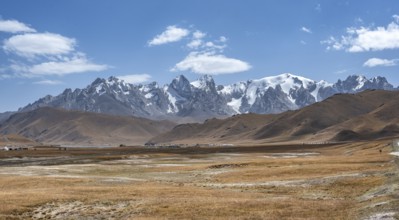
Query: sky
{"x": 48, "y": 46}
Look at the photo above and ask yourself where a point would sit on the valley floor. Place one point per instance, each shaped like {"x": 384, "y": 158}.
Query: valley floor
{"x": 346, "y": 181}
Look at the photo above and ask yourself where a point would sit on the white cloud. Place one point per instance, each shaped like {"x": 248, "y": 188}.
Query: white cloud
{"x": 208, "y": 63}
{"x": 303, "y": 42}
{"x": 14, "y": 26}
{"x": 194, "y": 44}
{"x": 373, "y": 62}
{"x": 306, "y": 30}
{"x": 171, "y": 34}
{"x": 76, "y": 64}
{"x": 333, "y": 44}
{"x": 212, "y": 46}
{"x": 222, "y": 39}
{"x": 206, "y": 55}
{"x": 39, "y": 44}
{"x": 198, "y": 34}
{"x": 197, "y": 43}
{"x": 367, "y": 39}
{"x": 135, "y": 78}
{"x": 48, "y": 82}
{"x": 44, "y": 53}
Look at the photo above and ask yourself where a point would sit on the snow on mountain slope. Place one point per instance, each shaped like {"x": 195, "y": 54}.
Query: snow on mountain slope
{"x": 202, "y": 98}
{"x": 286, "y": 81}
{"x": 296, "y": 89}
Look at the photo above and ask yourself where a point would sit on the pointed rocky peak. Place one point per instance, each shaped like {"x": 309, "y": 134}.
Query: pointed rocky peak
{"x": 379, "y": 79}
{"x": 380, "y": 83}
{"x": 357, "y": 83}
{"x": 324, "y": 83}
{"x": 351, "y": 84}
{"x": 96, "y": 86}
{"x": 180, "y": 78}
{"x": 112, "y": 80}
{"x": 359, "y": 79}
{"x": 118, "y": 85}
{"x": 101, "y": 86}
{"x": 46, "y": 98}
{"x": 153, "y": 85}
{"x": 97, "y": 81}
{"x": 235, "y": 89}
{"x": 181, "y": 83}
{"x": 149, "y": 87}
{"x": 205, "y": 82}
{"x": 67, "y": 91}
{"x": 206, "y": 78}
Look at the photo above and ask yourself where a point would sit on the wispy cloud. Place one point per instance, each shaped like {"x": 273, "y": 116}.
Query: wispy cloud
{"x": 48, "y": 82}
{"x": 367, "y": 38}
{"x": 135, "y": 78}
{"x": 14, "y": 26}
{"x": 39, "y": 44}
{"x": 213, "y": 64}
{"x": 74, "y": 65}
{"x": 306, "y": 30}
{"x": 197, "y": 40}
{"x": 343, "y": 71}
{"x": 171, "y": 34}
{"x": 373, "y": 62}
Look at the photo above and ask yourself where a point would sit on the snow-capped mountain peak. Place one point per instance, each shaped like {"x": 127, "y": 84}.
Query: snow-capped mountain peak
{"x": 205, "y": 82}
{"x": 287, "y": 81}
{"x": 202, "y": 99}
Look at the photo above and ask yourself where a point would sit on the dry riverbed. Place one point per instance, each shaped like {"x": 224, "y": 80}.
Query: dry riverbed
{"x": 347, "y": 181}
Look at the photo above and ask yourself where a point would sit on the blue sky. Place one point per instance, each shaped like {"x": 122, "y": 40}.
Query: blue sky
{"x": 47, "y": 46}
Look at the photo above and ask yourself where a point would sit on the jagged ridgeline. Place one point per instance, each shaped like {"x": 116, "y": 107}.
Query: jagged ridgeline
{"x": 185, "y": 101}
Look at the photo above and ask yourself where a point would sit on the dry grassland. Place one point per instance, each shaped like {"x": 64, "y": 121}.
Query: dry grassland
{"x": 347, "y": 181}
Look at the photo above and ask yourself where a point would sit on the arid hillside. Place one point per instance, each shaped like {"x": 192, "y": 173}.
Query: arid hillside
{"x": 57, "y": 126}
{"x": 16, "y": 140}
{"x": 367, "y": 115}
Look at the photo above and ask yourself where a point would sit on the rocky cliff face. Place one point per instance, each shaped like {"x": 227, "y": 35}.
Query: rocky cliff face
{"x": 202, "y": 98}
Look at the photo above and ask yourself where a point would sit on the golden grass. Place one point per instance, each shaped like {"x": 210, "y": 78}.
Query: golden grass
{"x": 328, "y": 186}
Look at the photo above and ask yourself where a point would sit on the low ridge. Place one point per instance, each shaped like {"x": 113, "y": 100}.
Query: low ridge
{"x": 50, "y": 125}
{"x": 342, "y": 117}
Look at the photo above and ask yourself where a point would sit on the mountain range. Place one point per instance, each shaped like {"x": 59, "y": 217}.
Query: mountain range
{"x": 370, "y": 114}
{"x": 183, "y": 101}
